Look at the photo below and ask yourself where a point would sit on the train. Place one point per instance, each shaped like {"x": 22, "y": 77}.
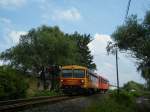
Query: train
{"x": 76, "y": 79}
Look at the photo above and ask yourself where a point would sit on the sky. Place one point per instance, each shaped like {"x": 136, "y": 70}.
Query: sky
{"x": 99, "y": 18}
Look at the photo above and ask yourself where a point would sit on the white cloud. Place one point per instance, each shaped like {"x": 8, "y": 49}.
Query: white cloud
{"x": 106, "y": 64}
{"x": 69, "y": 15}
{"x": 15, "y": 35}
{"x": 1, "y": 63}
{"x": 100, "y": 43}
{"x": 109, "y": 65}
{"x": 9, "y": 36}
{"x": 11, "y": 3}
{"x": 5, "y": 20}
{"x": 55, "y": 12}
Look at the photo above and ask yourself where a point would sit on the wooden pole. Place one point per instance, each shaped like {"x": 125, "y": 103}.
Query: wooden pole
{"x": 117, "y": 71}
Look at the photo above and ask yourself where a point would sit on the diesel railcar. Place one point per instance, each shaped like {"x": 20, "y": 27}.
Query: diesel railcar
{"x": 79, "y": 79}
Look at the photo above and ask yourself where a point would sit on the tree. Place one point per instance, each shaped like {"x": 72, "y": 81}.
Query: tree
{"x": 134, "y": 38}
{"x": 46, "y": 46}
{"x": 84, "y": 54}
{"x": 41, "y": 47}
{"x": 131, "y": 85}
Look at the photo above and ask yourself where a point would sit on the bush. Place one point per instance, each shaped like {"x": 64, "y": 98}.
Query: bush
{"x": 47, "y": 93}
{"x": 123, "y": 98}
{"x": 12, "y": 84}
{"x": 123, "y": 102}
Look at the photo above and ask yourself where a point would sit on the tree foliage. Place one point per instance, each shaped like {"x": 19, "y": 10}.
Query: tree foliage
{"x": 45, "y": 46}
{"x": 12, "y": 84}
{"x": 85, "y": 57}
{"x": 134, "y": 38}
{"x": 131, "y": 85}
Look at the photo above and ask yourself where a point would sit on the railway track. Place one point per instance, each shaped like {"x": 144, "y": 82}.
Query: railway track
{"x": 21, "y": 104}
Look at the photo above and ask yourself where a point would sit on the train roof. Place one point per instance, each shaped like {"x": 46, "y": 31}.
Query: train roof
{"x": 103, "y": 78}
{"x": 73, "y": 67}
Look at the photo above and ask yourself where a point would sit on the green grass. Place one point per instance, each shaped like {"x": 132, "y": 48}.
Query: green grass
{"x": 33, "y": 90}
{"x": 125, "y": 102}
{"x": 47, "y": 93}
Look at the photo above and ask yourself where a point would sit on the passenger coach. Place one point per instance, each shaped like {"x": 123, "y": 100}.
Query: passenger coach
{"x": 79, "y": 79}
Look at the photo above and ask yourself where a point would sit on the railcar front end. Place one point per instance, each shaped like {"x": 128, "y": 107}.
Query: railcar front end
{"x": 73, "y": 79}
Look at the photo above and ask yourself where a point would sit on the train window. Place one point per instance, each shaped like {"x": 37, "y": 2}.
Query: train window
{"x": 67, "y": 73}
{"x": 78, "y": 73}
{"x": 93, "y": 78}
{"x": 88, "y": 75}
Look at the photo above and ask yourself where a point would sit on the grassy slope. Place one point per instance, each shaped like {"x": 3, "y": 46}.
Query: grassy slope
{"x": 32, "y": 86}
{"x": 33, "y": 89}
{"x": 113, "y": 103}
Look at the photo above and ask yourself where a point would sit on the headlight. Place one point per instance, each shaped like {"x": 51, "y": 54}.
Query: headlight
{"x": 82, "y": 81}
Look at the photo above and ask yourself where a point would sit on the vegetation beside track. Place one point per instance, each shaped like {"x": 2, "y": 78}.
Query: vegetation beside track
{"x": 47, "y": 93}
{"x": 33, "y": 90}
{"x": 124, "y": 102}
{"x": 12, "y": 84}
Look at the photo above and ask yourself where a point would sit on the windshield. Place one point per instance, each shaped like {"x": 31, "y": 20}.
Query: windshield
{"x": 76, "y": 73}
{"x": 66, "y": 73}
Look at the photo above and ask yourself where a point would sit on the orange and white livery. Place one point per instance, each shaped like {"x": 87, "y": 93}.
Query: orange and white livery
{"x": 79, "y": 79}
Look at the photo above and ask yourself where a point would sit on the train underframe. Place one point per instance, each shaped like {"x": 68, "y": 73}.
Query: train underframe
{"x": 73, "y": 90}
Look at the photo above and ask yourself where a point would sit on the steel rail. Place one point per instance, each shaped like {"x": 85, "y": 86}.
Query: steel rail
{"x": 25, "y": 100}
{"x": 21, "y": 104}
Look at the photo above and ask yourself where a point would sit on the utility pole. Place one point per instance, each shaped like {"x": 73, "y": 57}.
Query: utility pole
{"x": 117, "y": 71}
{"x": 127, "y": 11}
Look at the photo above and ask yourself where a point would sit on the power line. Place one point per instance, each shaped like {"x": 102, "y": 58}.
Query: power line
{"x": 126, "y": 15}
{"x": 128, "y": 7}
